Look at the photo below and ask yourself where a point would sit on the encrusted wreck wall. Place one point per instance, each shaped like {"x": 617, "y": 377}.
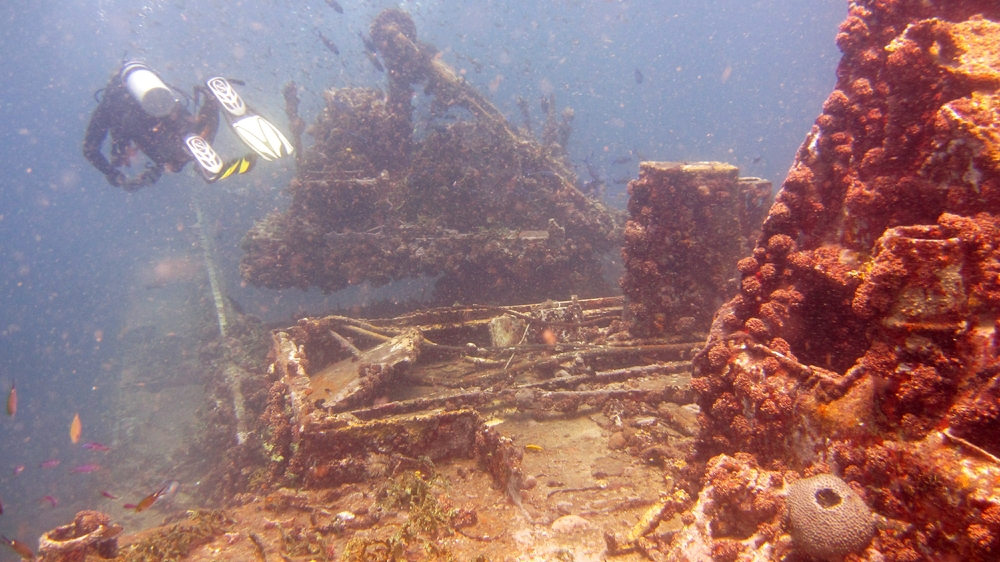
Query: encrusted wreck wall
{"x": 863, "y": 341}
{"x": 680, "y": 244}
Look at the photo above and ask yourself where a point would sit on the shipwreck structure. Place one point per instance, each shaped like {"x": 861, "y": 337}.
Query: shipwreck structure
{"x": 458, "y": 194}
{"x": 863, "y": 342}
{"x": 842, "y": 406}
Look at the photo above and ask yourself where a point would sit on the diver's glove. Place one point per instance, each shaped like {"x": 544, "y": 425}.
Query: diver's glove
{"x": 152, "y": 174}
{"x": 148, "y": 177}
{"x": 116, "y": 178}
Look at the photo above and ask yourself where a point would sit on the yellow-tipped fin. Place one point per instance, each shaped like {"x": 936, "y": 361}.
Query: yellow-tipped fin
{"x": 239, "y": 166}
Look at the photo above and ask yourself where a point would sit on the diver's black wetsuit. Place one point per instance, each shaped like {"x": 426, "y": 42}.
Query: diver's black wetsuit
{"x": 160, "y": 138}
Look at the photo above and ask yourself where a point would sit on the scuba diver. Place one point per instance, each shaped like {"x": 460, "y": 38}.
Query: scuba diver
{"x": 143, "y": 114}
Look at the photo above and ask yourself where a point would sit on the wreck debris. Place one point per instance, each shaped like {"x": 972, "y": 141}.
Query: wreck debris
{"x": 405, "y": 397}
{"x": 863, "y": 337}
{"x": 332, "y": 385}
{"x": 234, "y": 373}
{"x": 495, "y": 213}
{"x": 556, "y": 133}
{"x": 361, "y": 408}
{"x": 91, "y": 532}
{"x": 679, "y": 243}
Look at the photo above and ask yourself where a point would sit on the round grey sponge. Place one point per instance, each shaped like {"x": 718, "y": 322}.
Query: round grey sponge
{"x": 828, "y": 520}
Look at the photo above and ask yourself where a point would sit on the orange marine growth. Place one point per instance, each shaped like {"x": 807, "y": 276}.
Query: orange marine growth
{"x": 75, "y": 429}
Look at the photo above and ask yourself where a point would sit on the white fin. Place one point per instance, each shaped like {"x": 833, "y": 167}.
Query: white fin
{"x": 264, "y": 138}
{"x": 227, "y": 96}
{"x": 204, "y": 154}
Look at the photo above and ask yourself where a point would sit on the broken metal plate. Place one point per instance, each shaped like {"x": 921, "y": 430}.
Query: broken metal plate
{"x": 352, "y": 381}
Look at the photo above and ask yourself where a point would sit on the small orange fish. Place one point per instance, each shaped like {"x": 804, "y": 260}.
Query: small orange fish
{"x": 75, "y": 429}
{"x": 19, "y": 547}
{"x": 12, "y": 400}
{"x": 149, "y": 500}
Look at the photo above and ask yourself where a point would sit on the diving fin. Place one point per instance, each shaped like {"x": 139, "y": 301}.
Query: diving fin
{"x": 227, "y": 96}
{"x": 256, "y": 132}
{"x": 205, "y": 156}
{"x": 241, "y": 165}
{"x": 264, "y": 138}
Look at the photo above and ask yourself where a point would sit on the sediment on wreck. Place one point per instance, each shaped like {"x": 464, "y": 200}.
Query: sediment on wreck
{"x": 386, "y": 193}
{"x": 863, "y": 340}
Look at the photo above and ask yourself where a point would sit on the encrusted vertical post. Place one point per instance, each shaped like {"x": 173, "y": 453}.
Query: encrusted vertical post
{"x": 297, "y": 125}
{"x": 683, "y": 239}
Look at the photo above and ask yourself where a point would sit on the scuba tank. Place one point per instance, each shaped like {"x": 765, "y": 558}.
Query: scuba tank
{"x": 146, "y": 87}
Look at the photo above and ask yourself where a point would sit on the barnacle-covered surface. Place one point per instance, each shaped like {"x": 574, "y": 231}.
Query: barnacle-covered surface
{"x": 863, "y": 341}
{"x": 454, "y": 191}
